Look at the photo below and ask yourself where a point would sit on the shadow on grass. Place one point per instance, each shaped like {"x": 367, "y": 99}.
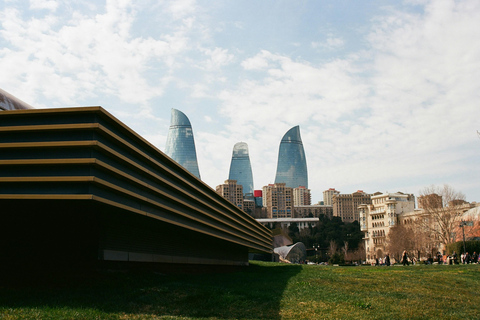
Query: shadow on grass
{"x": 254, "y": 293}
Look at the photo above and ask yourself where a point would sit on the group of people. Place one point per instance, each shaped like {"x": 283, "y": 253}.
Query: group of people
{"x": 386, "y": 261}
{"x": 465, "y": 258}
{"x": 383, "y": 262}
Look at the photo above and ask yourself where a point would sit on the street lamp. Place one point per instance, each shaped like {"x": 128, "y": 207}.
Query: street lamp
{"x": 463, "y": 224}
{"x": 316, "y": 247}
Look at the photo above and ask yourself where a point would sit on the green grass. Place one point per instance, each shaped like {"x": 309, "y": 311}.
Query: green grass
{"x": 263, "y": 291}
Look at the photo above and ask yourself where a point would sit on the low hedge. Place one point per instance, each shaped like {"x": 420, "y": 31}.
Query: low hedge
{"x": 470, "y": 247}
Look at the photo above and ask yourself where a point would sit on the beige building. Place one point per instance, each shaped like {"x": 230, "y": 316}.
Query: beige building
{"x": 430, "y": 201}
{"x": 377, "y": 218}
{"x": 233, "y": 192}
{"x": 346, "y": 206}
{"x": 302, "y": 197}
{"x": 390, "y": 209}
{"x": 328, "y": 196}
{"x": 278, "y": 199}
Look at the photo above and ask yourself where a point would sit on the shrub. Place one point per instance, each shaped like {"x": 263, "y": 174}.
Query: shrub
{"x": 470, "y": 246}
{"x": 336, "y": 258}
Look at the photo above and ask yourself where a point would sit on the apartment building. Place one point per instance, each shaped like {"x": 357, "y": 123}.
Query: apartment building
{"x": 328, "y": 196}
{"x": 346, "y": 206}
{"x": 231, "y": 191}
{"x": 301, "y": 196}
{"x": 278, "y": 199}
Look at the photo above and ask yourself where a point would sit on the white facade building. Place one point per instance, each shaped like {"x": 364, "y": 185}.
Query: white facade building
{"x": 377, "y": 218}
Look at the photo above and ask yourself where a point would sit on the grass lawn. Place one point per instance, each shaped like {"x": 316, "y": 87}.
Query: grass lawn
{"x": 263, "y": 291}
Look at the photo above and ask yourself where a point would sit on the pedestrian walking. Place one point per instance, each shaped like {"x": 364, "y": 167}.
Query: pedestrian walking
{"x": 405, "y": 258}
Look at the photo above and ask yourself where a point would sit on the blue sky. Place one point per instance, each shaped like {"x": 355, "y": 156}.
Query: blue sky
{"x": 386, "y": 93}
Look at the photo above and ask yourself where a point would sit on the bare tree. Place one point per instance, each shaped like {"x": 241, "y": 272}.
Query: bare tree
{"x": 442, "y": 212}
{"x": 332, "y": 249}
{"x": 358, "y": 254}
{"x": 423, "y": 243}
{"x": 345, "y": 251}
{"x": 399, "y": 238}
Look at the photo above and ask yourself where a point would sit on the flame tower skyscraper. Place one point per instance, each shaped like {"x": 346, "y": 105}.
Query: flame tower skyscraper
{"x": 240, "y": 167}
{"x": 292, "y": 164}
{"x": 180, "y": 144}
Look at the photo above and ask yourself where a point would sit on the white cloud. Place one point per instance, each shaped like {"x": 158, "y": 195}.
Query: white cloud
{"x": 182, "y": 8}
{"x": 323, "y": 92}
{"x": 82, "y": 56}
{"x": 217, "y": 58}
{"x": 200, "y": 90}
{"x": 331, "y": 43}
{"x": 259, "y": 62}
{"x": 44, "y": 4}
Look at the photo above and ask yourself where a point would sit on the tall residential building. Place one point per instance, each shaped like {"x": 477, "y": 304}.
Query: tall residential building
{"x": 328, "y": 195}
{"x": 278, "y": 199}
{"x": 292, "y": 165}
{"x": 302, "y": 197}
{"x": 231, "y": 191}
{"x": 379, "y": 216}
{"x": 240, "y": 168}
{"x": 346, "y": 206}
{"x": 180, "y": 144}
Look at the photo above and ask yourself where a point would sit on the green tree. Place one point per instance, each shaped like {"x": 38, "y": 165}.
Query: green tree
{"x": 326, "y": 231}
{"x": 293, "y": 229}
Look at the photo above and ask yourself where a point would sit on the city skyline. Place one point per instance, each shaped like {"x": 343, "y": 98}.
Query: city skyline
{"x": 385, "y": 92}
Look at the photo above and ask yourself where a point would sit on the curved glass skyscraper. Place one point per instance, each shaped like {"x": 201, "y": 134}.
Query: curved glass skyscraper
{"x": 240, "y": 168}
{"x": 180, "y": 144}
{"x": 9, "y": 102}
{"x": 292, "y": 165}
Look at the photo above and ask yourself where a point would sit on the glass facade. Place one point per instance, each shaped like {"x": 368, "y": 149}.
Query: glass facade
{"x": 240, "y": 168}
{"x": 292, "y": 165}
{"x": 180, "y": 144}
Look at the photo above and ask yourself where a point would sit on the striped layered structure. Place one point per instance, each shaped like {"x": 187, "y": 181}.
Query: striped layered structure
{"x": 77, "y": 185}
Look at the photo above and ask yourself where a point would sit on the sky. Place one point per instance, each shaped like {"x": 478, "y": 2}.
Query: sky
{"x": 386, "y": 93}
